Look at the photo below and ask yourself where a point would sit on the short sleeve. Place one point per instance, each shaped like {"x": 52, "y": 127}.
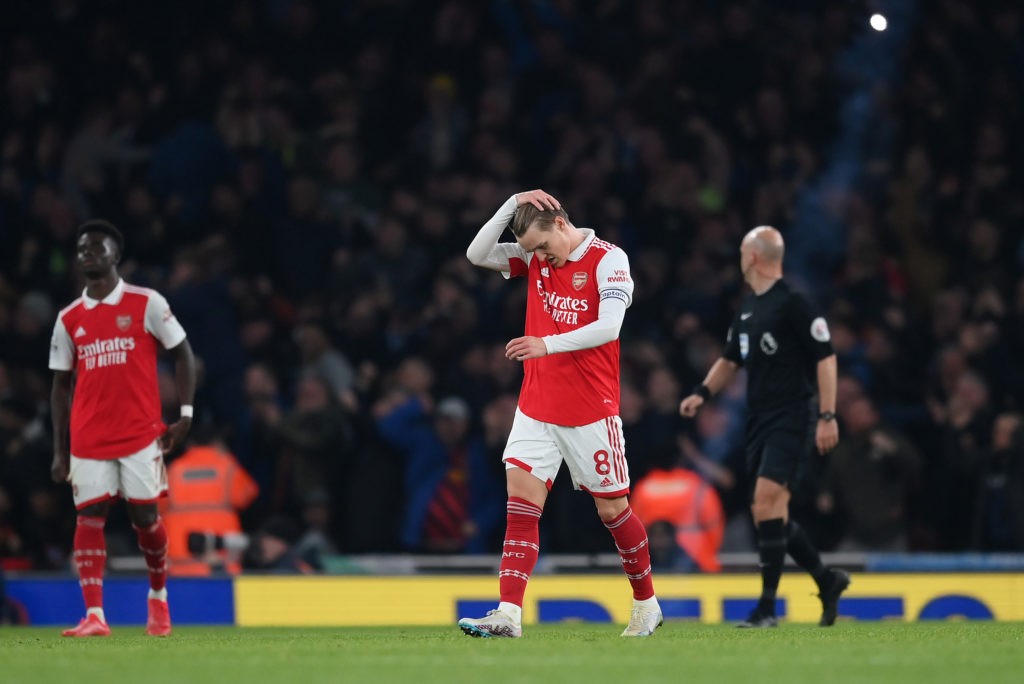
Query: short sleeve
{"x": 810, "y": 327}
{"x": 614, "y": 278}
{"x": 161, "y": 323}
{"x": 732, "y": 345}
{"x": 62, "y": 349}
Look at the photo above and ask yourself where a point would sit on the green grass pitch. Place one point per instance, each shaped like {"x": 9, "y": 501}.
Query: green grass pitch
{"x": 976, "y": 652}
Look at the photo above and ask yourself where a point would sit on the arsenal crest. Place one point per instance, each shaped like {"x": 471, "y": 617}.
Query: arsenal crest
{"x": 124, "y": 322}
{"x": 579, "y": 279}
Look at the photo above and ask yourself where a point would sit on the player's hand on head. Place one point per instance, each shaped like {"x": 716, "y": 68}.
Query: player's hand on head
{"x": 539, "y": 199}
{"x": 523, "y": 348}
{"x": 175, "y": 435}
{"x": 689, "y": 406}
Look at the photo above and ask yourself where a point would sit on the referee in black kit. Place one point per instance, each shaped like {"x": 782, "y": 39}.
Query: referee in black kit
{"x": 783, "y": 343}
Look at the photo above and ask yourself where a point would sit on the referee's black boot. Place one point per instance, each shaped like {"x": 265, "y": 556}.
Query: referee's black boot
{"x": 759, "y": 619}
{"x": 838, "y": 581}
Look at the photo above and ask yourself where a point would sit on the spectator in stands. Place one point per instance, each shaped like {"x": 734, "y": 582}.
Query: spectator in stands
{"x": 316, "y": 539}
{"x": 965, "y": 428}
{"x": 264, "y": 408}
{"x": 316, "y": 445}
{"x": 275, "y": 548}
{"x": 37, "y": 518}
{"x": 452, "y": 497}
{"x": 200, "y": 292}
{"x": 999, "y": 512}
{"x": 666, "y": 554}
{"x": 661, "y": 420}
{"x": 48, "y": 529}
{"x": 870, "y": 478}
{"x": 320, "y": 358}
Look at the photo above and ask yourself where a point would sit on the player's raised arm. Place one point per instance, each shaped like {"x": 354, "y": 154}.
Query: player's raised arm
{"x": 485, "y": 250}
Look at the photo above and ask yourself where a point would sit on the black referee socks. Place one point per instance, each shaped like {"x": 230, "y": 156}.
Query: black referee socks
{"x": 771, "y": 546}
{"x": 800, "y": 547}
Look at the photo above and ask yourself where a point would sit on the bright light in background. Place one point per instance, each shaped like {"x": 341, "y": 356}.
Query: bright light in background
{"x": 878, "y": 22}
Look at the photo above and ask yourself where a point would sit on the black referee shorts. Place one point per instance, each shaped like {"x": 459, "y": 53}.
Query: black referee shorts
{"x": 779, "y": 443}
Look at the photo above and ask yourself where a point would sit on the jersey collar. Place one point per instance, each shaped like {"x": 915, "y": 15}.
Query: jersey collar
{"x": 772, "y": 287}
{"x": 113, "y": 298}
{"x": 577, "y": 254}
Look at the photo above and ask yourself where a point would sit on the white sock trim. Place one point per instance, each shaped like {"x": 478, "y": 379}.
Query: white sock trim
{"x": 160, "y": 595}
{"x": 98, "y": 612}
{"x": 647, "y": 603}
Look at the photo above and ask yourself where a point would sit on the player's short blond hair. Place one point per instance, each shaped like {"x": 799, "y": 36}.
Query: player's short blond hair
{"x": 528, "y": 214}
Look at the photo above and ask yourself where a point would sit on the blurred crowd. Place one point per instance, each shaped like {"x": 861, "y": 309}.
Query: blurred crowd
{"x": 300, "y": 179}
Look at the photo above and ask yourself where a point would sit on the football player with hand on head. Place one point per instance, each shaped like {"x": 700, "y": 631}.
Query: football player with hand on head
{"x": 579, "y": 287}
{"x": 109, "y": 438}
{"x": 785, "y": 347}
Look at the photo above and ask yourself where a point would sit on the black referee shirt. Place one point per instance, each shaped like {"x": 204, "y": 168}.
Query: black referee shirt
{"x": 779, "y": 337}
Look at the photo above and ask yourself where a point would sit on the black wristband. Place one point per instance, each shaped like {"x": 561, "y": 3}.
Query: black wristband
{"x": 702, "y": 391}
{"x": 827, "y": 416}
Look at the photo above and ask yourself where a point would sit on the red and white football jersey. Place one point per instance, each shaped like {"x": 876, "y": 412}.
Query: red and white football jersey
{"x": 577, "y": 387}
{"x": 110, "y": 345}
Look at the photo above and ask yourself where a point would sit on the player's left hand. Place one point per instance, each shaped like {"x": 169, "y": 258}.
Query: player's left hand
{"x": 522, "y": 348}
{"x": 826, "y": 436}
{"x": 175, "y": 435}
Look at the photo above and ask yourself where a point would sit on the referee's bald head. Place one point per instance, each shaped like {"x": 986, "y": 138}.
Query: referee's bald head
{"x": 766, "y": 242}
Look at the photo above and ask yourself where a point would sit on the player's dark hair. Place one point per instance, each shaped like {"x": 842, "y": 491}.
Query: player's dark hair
{"x": 527, "y": 214}
{"x": 102, "y": 226}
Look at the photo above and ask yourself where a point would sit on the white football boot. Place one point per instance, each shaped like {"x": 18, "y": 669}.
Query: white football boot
{"x": 644, "y": 619}
{"x": 495, "y": 624}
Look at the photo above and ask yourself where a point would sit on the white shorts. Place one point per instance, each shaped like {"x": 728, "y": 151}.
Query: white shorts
{"x": 595, "y": 453}
{"x": 138, "y": 478}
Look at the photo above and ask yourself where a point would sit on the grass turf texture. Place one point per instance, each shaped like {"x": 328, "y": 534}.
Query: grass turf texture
{"x": 680, "y": 652}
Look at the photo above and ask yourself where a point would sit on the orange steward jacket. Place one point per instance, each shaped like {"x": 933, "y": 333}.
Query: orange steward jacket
{"x": 206, "y": 489}
{"x": 683, "y": 499}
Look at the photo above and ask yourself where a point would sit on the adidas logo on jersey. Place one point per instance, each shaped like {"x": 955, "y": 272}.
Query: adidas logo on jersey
{"x": 80, "y": 332}
{"x": 606, "y": 482}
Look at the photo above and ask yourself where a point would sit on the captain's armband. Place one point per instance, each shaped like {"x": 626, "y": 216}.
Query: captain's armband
{"x": 612, "y": 293}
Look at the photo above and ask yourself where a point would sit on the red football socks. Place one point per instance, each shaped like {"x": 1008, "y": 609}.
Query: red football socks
{"x": 522, "y": 546}
{"x": 153, "y": 542}
{"x": 631, "y": 541}
{"x": 90, "y": 558}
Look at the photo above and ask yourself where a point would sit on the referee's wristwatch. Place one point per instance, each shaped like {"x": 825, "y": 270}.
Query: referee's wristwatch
{"x": 826, "y": 415}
